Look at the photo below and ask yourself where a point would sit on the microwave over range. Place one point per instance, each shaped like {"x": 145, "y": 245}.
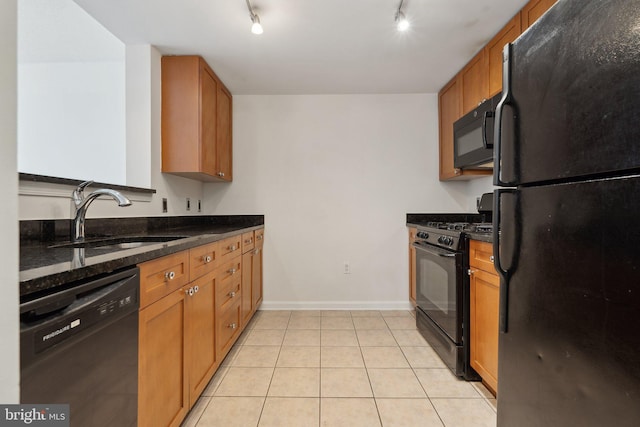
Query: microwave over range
{"x": 473, "y": 137}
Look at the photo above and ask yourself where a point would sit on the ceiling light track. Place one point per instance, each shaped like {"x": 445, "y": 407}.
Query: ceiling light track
{"x": 402, "y": 23}
{"x": 256, "y": 26}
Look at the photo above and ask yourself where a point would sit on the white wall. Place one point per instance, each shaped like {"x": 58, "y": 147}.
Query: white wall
{"x": 335, "y": 176}
{"x": 9, "y": 325}
{"x": 49, "y": 201}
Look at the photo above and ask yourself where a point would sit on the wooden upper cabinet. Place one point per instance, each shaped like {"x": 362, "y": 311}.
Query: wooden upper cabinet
{"x": 474, "y": 83}
{"x": 449, "y": 111}
{"x": 493, "y": 52}
{"x": 534, "y": 10}
{"x": 196, "y": 120}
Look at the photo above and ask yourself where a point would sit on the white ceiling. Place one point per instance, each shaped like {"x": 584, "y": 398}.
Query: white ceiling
{"x": 314, "y": 47}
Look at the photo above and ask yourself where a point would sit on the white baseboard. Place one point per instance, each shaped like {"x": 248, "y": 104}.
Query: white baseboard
{"x": 333, "y": 305}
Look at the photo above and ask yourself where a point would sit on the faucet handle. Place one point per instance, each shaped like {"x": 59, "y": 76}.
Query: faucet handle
{"x": 77, "y": 193}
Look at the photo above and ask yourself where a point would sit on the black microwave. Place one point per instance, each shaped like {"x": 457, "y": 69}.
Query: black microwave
{"x": 473, "y": 137}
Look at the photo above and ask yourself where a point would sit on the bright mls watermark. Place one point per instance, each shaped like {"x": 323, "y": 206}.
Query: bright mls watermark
{"x": 34, "y": 415}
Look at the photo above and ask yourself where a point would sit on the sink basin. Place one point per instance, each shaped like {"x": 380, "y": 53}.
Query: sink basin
{"x": 115, "y": 243}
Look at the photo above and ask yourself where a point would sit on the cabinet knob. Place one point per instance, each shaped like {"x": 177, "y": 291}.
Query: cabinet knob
{"x": 196, "y": 288}
{"x": 231, "y": 294}
{"x": 207, "y": 259}
{"x": 491, "y": 258}
{"x": 248, "y": 240}
{"x": 232, "y": 326}
{"x": 232, "y": 247}
{"x": 256, "y": 252}
{"x": 232, "y": 271}
{"x": 260, "y": 236}
{"x": 190, "y": 292}
{"x": 221, "y": 174}
{"x": 470, "y": 272}
{"x": 169, "y": 275}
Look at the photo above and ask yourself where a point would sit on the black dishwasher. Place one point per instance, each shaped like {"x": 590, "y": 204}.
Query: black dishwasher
{"x": 79, "y": 346}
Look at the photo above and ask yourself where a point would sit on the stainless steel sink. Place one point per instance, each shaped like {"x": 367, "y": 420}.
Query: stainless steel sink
{"x": 117, "y": 243}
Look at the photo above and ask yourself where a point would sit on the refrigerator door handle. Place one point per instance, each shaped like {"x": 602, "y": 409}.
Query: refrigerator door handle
{"x": 497, "y": 132}
{"x": 504, "y": 273}
{"x": 485, "y": 141}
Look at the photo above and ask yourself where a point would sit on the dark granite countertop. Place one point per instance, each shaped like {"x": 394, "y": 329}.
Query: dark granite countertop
{"x": 43, "y": 268}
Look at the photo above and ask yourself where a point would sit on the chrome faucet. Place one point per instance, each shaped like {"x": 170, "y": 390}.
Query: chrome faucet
{"x": 82, "y": 203}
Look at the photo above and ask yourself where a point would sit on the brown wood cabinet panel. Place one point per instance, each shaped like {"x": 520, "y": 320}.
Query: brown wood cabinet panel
{"x": 534, "y": 10}
{"x": 449, "y": 111}
{"x": 200, "y": 295}
{"x": 485, "y": 302}
{"x": 203, "y": 259}
{"x": 247, "y": 270}
{"x": 196, "y": 120}
{"x": 256, "y": 278}
{"x": 493, "y": 52}
{"x": 162, "y": 373}
{"x": 162, "y": 276}
{"x": 224, "y": 135}
{"x": 474, "y": 83}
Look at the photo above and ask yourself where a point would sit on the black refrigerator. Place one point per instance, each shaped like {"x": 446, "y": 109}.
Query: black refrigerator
{"x": 568, "y": 227}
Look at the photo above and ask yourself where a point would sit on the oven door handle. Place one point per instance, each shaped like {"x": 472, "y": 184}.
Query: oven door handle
{"x": 434, "y": 250}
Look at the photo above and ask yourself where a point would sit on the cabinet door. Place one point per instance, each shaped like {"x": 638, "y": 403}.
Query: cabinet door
{"x": 208, "y": 122}
{"x": 163, "y": 398}
{"x": 247, "y": 272}
{"x": 494, "y": 49}
{"x": 485, "y": 302}
{"x": 473, "y": 82}
{"x": 223, "y": 134}
{"x": 449, "y": 111}
{"x": 534, "y": 10}
{"x": 202, "y": 360}
{"x": 256, "y": 279}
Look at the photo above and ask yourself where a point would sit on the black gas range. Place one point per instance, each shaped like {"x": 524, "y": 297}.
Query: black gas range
{"x": 442, "y": 287}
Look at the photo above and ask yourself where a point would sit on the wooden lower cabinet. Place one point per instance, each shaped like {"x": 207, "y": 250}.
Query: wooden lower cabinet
{"x": 185, "y": 333}
{"x": 201, "y": 354}
{"x": 484, "y": 313}
{"x": 163, "y": 385}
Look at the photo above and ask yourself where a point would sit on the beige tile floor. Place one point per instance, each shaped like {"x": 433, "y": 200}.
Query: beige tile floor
{"x": 338, "y": 368}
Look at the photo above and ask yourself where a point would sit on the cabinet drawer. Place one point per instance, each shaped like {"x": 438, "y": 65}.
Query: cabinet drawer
{"x": 481, "y": 255}
{"x": 203, "y": 260}
{"x": 230, "y": 271}
{"x": 248, "y": 242}
{"x": 227, "y": 329}
{"x": 230, "y": 247}
{"x": 259, "y": 237}
{"x": 228, "y": 291}
{"x": 162, "y": 276}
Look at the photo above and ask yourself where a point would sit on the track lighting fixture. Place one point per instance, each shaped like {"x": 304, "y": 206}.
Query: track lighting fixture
{"x": 401, "y": 21}
{"x": 256, "y": 27}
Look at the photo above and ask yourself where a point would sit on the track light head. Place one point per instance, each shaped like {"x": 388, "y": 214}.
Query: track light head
{"x": 256, "y": 27}
{"x": 402, "y": 23}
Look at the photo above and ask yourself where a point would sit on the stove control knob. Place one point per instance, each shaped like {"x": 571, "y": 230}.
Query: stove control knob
{"x": 441, "y": 239}
{"x": 449, "y": 241}
{"x": 422, "y": 235}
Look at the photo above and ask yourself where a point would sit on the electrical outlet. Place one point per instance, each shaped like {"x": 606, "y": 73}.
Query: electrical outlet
{"x": 199, "y": 206}
{"x": 347, "y": 267}
{"x": 188, "y": 204}
{"x": 164, "y": 205}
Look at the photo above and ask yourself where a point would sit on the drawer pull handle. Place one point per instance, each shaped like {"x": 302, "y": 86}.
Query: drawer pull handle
{"x": 232, "y": 248}
{"x": 207, "y": 259}
{"x": 233, "y": 271}
{"x": 169, "y": 275}
{"x": 259, "y": 237}
{"x": 232, "y": 326}
{"x": 221, "y": 174}
{"x": 491, "y": 258}
{"x": 248, "y": 241}
{"x": 231, "y": 294}
{"x": 196, "y": 288}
